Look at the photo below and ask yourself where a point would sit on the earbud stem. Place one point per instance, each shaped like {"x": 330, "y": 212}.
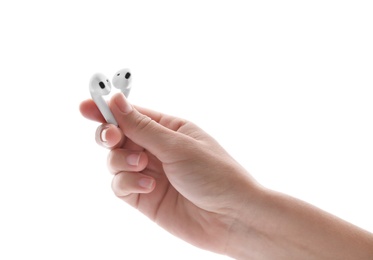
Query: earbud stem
{"x": 126, "y": 92}
{"x": 104, "y": 109}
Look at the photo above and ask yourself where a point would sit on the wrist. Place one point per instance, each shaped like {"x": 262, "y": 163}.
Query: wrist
{"x": 246, "y": 237}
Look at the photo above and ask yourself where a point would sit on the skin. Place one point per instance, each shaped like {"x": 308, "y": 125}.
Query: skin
{"x": 182, "y": 179}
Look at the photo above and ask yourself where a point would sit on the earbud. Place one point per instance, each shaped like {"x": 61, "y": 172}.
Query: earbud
{"x": 100, "y": 86}
{"x": 122, "y": 80}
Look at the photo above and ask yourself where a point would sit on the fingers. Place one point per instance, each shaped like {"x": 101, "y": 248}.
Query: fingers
{"x": 127, "y": 163}
{"x": 90, "y": 111}
{"x": 126, "y": 183}
{"x": 127, "y": 166}
{"x": 109, "y": 136}
{"x": 120, "y": 160}
{"x": 143, "y": 130}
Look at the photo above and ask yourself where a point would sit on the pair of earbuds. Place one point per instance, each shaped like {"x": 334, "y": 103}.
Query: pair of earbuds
{"x": 100, "y": 86}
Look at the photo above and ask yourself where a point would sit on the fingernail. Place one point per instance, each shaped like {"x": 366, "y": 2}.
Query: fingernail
{"x": 103, "y": 135}
{"x": 146, "y": 183}
{"x": 133, "y": 159}
{"x": 123, "y": 104}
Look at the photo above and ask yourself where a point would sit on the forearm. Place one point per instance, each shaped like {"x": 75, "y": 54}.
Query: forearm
{"x": 278, "y": 226}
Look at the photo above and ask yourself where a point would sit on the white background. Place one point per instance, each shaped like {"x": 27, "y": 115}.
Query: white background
{"x": 284, "y": 86}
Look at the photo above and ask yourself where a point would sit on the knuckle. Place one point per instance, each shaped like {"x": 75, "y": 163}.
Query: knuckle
{"x": 117, "y": 185}
{"x": 143, "y": 123}
{"x": 112, "y": 161}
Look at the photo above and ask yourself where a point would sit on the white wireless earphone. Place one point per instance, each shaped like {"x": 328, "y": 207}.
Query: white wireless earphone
{"x": 122, "y": 80}
{"x": 99, "y": 86}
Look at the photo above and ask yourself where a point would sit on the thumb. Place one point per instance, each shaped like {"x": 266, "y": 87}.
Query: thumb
{"x": 143, "y": 130}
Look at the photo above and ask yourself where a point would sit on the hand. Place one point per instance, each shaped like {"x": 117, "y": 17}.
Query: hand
{"x": 181, "y": 178}
{"x": 174, "y": 173}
